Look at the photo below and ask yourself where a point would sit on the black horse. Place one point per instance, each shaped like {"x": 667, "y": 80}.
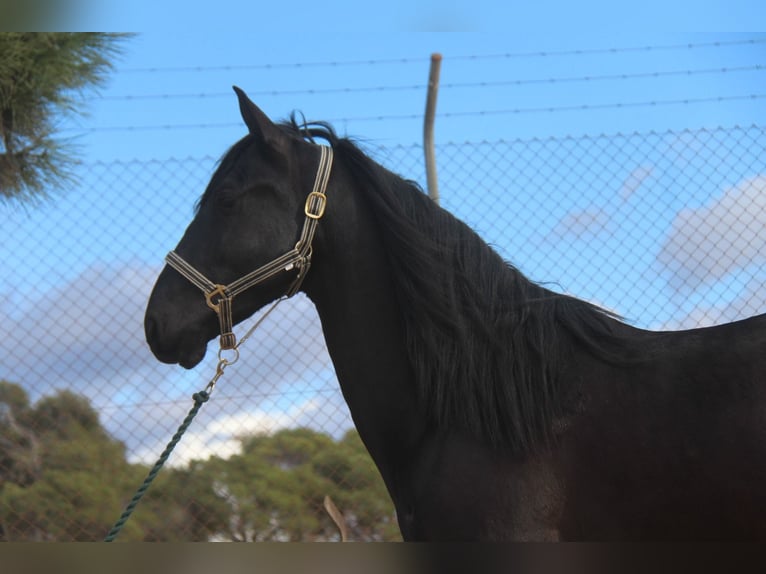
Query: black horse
{"x": 494, "y": 408}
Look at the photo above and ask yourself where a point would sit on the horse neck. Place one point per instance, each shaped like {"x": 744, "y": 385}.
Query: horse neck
{"x": 351, "y": 286}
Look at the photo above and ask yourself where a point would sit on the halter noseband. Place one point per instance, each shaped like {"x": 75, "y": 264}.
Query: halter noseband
{"x": 219, "y": 297}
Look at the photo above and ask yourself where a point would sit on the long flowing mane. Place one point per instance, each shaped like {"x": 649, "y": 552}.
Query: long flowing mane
{"x": 486, "y": 344}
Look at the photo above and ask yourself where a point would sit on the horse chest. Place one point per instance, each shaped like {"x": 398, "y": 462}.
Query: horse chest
{"x": 465, "y": 491}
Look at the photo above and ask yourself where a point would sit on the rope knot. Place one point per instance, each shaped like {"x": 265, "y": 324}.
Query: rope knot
{"x": 201, "y": 397}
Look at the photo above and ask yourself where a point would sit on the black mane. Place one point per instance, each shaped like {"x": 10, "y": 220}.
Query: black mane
{"x": 486, "y": 344}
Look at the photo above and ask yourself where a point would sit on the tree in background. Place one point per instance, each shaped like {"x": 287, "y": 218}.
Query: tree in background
{"x": 63, "y": 478}
{"x": 19, "y": 447}
{"x": 43, "y": 77}
{"x": 276, "y": 487}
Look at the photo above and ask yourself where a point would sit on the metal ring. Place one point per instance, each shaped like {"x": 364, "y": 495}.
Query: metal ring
{"x": 224, "y": 361}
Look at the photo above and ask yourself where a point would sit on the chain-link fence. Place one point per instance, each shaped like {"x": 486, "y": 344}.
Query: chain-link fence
{"x": 667, "y": 229}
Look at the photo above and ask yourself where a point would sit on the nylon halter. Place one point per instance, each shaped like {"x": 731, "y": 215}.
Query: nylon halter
{"x": 219, "y": 297}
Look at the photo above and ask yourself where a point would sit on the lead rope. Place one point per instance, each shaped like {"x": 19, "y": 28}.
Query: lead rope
{"x": 199, "y": 399}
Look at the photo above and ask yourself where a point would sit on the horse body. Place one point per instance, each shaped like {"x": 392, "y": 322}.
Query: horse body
{"x": 493, "y": 408}
{"x": 670, "y": 444}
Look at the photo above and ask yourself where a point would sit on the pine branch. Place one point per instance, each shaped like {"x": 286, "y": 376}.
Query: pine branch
{"x": 43, "y": 77}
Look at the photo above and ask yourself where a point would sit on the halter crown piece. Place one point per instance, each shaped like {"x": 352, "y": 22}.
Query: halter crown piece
{"x": 219, "y": 297}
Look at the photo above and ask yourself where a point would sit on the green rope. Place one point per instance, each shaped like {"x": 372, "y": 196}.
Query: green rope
{"x": 199, "y": 399}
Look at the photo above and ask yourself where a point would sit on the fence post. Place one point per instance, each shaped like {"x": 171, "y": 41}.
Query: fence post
{"x": 428, "y": 127}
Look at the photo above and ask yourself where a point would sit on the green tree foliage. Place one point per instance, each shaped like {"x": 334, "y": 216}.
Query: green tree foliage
{"x": 179, "y": 507}
{"x": 43, "y": 76}
{"x": 19, "y": 447}
{"x": 276, "y": 487}
{"x": 40, "y": 464}
{"x": 62, "y": 477}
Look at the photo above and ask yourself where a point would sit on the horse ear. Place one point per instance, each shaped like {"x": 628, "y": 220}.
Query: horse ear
{"x": 256, "y": 121}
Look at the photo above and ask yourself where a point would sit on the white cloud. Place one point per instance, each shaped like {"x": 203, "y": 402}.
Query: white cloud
{"x": 750, "y": 301}
{"x": 221, "y": 435}
{"x": 707, "y": 243}
{"x": 87, "y": 336}
{"x": 90, "y": 330}
{"x": 634, "y": 181}
{"x": 219, "y": 438}
{"x": 593, "y": 220}
{"x": 581, "y": 223}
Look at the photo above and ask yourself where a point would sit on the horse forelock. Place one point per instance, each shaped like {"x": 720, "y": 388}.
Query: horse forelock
{"x": 228, "y": 161}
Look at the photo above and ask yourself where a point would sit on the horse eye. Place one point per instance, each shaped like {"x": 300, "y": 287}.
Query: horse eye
{"x": 226, "y": 198}
{"x": 264, "y": 189}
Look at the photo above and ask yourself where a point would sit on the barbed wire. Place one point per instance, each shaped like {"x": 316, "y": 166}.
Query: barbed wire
{"x": 449, "y": 86}
{"x": 474, "y": 57}
{"x": 447, "y": 115}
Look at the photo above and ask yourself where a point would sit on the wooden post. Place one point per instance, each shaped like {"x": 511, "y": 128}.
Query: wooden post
{"x": 428, "y": 127}
{"x": 337, "y": 518}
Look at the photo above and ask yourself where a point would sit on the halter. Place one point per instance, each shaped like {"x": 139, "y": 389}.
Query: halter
{"x": 219, "y": 297}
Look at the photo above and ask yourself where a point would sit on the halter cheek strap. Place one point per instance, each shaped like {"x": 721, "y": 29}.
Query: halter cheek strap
{"x": 219, "y": 297}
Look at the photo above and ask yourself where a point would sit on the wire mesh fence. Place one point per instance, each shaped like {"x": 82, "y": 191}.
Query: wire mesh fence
{"x": 667, "y": 229}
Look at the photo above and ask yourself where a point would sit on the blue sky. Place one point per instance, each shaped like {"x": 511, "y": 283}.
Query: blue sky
{"x": 174, "y": 99}
{"x": 179, "y": 70}
{"x": 169, "y": 99}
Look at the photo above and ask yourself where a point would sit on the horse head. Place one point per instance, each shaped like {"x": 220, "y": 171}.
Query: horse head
{"x": 253, "y": 227}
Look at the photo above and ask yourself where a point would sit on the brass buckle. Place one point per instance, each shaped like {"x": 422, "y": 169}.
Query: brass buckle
{"x": 322, "y": 199}
{"x": 219, "y": 290}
